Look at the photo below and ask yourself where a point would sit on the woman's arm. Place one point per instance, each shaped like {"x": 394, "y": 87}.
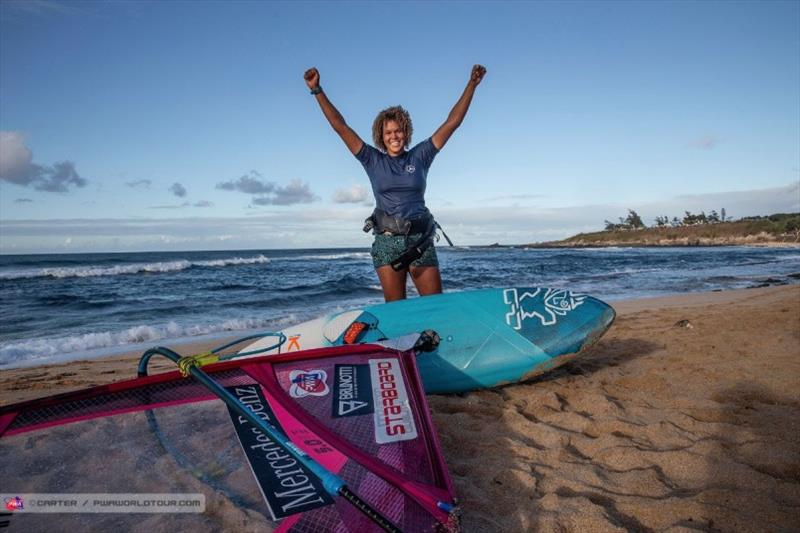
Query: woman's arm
{"x": 350, "y": 138}
{"x": 459, "y": 110}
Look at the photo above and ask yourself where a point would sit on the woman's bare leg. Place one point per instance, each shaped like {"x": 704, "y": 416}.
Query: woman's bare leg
{"x": 427, "y": 279}
{"x": 393, "y": 283}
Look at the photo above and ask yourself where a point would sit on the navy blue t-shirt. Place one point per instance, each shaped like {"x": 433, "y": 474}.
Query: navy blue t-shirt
{"x": 398, "y": 183}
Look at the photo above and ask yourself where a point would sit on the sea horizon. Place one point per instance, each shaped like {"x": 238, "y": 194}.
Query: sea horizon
{"x": 538, "y": 245}
{"x": 69, "y": 305}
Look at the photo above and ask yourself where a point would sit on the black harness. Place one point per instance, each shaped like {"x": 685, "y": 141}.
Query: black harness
{"x": 381, "y": 222}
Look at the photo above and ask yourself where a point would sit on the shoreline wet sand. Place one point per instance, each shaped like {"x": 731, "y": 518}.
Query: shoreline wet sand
{"x": 685, "y": 416}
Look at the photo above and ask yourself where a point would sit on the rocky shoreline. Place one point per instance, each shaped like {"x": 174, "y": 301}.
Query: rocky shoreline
{"x": 650, "y": 243}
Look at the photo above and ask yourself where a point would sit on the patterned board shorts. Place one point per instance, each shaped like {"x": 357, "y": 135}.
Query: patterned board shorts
{"x": 387, "y": 248}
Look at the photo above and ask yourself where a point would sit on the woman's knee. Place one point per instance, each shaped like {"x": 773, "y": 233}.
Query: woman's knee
{"x": 427, "y": 279}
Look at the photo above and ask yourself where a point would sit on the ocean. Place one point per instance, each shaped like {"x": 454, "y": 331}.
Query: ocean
{"x": 71, "y": 306}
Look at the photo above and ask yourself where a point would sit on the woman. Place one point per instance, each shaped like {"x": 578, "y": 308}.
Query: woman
{"x": 403, "y": 226}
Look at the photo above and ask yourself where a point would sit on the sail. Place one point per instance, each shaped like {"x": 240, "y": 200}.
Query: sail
{"x": 359, "y": 411}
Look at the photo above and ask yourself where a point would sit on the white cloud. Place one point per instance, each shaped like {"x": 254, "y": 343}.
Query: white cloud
{"x": 342, "y": 226}
{"x": 356, "y": 194}
{"x": 17, "y": 167}
{"x": 296, "y": 192}
{"x": 16, "y": 159}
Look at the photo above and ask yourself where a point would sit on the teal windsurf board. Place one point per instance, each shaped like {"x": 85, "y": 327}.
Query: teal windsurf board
{"x": 488, "y": 337}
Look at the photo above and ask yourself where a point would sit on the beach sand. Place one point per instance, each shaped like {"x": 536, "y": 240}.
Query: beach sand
{"x": 685, "y": 416}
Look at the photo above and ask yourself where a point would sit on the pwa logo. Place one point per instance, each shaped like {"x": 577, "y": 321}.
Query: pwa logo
{"x": 308, "y": 383}
{"x": 14, "y": 504}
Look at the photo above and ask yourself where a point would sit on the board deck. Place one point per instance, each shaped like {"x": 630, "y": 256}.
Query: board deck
{"x": 489, "y": 337}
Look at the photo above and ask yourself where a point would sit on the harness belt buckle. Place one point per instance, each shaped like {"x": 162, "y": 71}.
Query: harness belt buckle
{"x": 369, "y": 223}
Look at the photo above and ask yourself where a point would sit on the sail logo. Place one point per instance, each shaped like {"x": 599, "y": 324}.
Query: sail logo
{"x": 308, "y": 383}
{"x": 547, "y": 305}
{"x": 294, "y": 343}
{"x": 352, "y": 391}
{"x": 14, "y": 504}
{"x": 288, "y": 486}
{"x": 394, "y": 420}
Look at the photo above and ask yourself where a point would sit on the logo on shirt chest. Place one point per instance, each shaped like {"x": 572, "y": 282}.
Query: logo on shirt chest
{"x": 410, "y": 169}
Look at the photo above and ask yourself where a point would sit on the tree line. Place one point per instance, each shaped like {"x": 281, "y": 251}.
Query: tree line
{"x": 777, "y": 223}
{"x": 633, "y": 221}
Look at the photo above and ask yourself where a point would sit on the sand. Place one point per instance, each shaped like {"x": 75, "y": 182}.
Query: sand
{"x": 685, "y": 416}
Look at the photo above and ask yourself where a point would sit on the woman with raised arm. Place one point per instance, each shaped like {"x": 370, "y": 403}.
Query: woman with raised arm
{"x": 404, "y": 228}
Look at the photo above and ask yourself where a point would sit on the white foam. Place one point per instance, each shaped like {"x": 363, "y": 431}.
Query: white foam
{"x": 788, "y": 257}
{"x": 37, "y": 351}
{"x": 234, "y": 261}
{"x": 134, "y": 268}
{"x": 328, "y": 257}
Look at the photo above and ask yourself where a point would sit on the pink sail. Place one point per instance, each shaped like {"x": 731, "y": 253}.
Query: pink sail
{"x": 360, "y": 411}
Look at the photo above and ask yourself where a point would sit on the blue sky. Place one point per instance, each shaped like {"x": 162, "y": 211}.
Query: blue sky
{"x": 121, "y": 121}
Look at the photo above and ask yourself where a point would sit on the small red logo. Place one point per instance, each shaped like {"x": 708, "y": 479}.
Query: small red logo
{"x": 14, "y": 504}
{"x": 308, "y": 383}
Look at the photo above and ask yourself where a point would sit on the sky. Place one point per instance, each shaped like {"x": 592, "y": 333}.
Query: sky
{"x": 136, "y": 126}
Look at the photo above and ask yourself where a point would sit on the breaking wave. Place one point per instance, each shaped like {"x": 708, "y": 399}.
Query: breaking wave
{"x": 88, "y": 271}
{"x": 328, "y": 257}
{"x": 44, "y": 350}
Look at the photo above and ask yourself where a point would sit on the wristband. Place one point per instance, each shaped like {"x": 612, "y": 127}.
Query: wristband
{"x": 316, "y": 90}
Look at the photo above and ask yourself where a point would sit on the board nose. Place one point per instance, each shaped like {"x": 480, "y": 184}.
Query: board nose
{"x": 606, "y": 313}
{"x": 557, "y": 321}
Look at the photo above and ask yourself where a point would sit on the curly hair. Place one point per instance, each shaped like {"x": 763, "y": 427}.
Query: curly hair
{"x": 399, "y": 115}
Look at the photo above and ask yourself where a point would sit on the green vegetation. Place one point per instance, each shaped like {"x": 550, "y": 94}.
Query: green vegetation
{"x": 692, "y": 230}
